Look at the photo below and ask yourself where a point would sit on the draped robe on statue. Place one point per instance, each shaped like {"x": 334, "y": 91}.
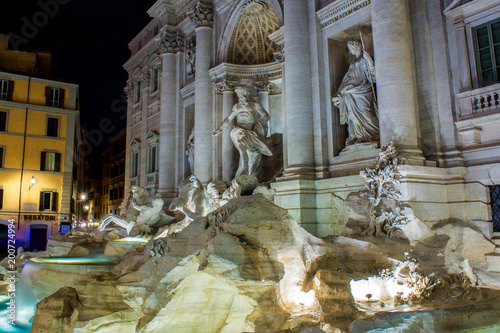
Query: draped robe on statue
{"x": 248, "y": 137}
{"x": 356, "y": 103}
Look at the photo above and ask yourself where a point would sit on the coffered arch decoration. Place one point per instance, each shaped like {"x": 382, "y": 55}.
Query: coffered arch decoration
{"x": 249, "y": 44}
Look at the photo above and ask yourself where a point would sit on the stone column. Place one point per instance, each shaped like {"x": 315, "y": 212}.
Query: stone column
{"x": 203, "y": 128}
{"x": 463, "y": 55}
{"x": 170, "y": 43}
{"x": 228, "y": 150}
{"x": 264, "y": 89}
{"x": 395, "y": 78}
{"x": 299, "y": 122}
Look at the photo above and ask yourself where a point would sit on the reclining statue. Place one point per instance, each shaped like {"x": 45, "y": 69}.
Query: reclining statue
{"x": 148, "y": 217}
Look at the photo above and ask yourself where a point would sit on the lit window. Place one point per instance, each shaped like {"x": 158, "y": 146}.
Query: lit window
{"x": 487, "y": 42}
{"x": 50, "y": 161}
{"x": 53, "y": 127}
{"x": 6, "y": 90}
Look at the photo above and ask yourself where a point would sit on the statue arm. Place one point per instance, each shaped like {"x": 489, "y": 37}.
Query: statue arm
{"x": 370, "y": 65}
{"x": 136, "y": 206}
{"x": 264, "y": 116}
{"x": 226, "y": 121}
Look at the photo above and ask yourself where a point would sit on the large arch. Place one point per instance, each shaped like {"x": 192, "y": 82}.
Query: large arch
{"x": 232, "y": 21}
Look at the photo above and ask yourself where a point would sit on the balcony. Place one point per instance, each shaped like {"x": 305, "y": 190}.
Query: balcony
{"x": 479, "y": 116}
{"x": 152, "y": 178}
{"x": 479, "y": 102}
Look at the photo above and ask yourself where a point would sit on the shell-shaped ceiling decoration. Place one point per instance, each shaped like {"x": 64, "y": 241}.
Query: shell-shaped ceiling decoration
{"x": 249, "y": 44}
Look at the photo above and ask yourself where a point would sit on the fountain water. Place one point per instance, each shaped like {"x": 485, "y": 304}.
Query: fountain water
{"x": 42, "y": 277}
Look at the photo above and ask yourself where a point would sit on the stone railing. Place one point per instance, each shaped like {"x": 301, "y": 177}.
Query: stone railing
{"x": 478, "y": 101}
{"x": 152, "y": 178}
{"x": 337, "y": 10}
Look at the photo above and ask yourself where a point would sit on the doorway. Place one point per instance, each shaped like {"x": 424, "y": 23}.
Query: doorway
{"x": 38, "y": 237}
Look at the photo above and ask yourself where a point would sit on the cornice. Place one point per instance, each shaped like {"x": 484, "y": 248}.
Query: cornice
{"x": 250, "y": 72}
{"x": 338, "y": 10}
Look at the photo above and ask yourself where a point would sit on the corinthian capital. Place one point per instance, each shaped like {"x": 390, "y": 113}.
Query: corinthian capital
{"x": 224, "y": 85}
{"x": 264, "y": 86}
{"x": 202, "y": 15}
{"x": 171, "y": 42}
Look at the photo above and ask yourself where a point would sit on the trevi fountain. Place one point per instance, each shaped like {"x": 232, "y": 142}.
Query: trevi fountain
{"x": 236, "y": 262}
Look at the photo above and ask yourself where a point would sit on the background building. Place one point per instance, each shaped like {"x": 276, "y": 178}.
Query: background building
{"x": 39, "y": 148}
{"x": 437, "y": 84}
{"x": 105, "y": 183}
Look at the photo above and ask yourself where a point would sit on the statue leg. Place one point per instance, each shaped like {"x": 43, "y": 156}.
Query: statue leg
{"x": 254, "y": 159}
{"x": 243, "y": 164}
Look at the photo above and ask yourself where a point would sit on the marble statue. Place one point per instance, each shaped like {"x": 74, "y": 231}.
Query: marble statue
{"x": 148, "y": 217}
{"x": 190, "y": 151}
{"x": 193, "y": 200}
{"x": 190, "y": 66}
{"x": 355, "y": 98}
{"x": 249, "y": 133}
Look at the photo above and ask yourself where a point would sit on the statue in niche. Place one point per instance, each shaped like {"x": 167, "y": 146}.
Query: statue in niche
{"x": 190, "y": 151}
{"x": 249, "y": 134}
{"x": 355, "y": 98}
{"x": 190, "y": 65}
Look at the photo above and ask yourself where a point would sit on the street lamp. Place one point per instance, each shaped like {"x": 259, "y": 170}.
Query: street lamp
{"x": 79, "y": 202}
{"x": 33, "y": 181}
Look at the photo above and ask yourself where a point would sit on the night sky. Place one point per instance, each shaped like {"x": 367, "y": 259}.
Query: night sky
{"x": 88, "y": 40}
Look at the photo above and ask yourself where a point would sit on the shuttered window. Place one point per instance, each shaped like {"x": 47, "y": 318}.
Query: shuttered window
{"x": 48, "y": 201}
{"x": 487, "y": 47}
{"x": 50, "y": 161}
{"x": 54, "y": 97}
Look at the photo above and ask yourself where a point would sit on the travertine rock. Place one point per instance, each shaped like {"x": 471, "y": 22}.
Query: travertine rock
{"x": 58, "y": 312}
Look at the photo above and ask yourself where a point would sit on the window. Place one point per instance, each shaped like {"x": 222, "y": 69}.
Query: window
{"x": 2, "y": 151}
{"x": 152, "y": 158}
{"x": 50, "y": 161}
{"x": 138, "y": 91}
{"x": 155, "y": 30}
{"x": 53, "y": 127}
{"x": 48, "y": 200}
{"x": 154, "y": 80}
{"x": 135, "y": 164}
{"x": 487, "y": 42}
{"x": 6, "y": 90}
{"x": 495, "y": 207}
{"x": 54, "y": 97}
{"x": 1, "y": 198}
{"x": 3, "y": 121}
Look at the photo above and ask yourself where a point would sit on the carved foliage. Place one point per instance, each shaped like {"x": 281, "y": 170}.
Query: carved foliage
{"x": 202, "y": 15}
{"x": 382, "y": 182}
{"x": 171, "y": 42}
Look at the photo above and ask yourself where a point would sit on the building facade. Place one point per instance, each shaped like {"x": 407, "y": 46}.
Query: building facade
{"x": 435, "y": 83}
{"x": 39, "y": 136}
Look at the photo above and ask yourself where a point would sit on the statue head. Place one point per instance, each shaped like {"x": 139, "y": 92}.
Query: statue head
{"x": 157, "y": 203}
{"x": 243, "y": 93}
{"x": 354, "y": 47}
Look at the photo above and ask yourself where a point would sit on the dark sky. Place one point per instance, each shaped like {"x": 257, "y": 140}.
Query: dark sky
{"x": 88, "y": 40}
